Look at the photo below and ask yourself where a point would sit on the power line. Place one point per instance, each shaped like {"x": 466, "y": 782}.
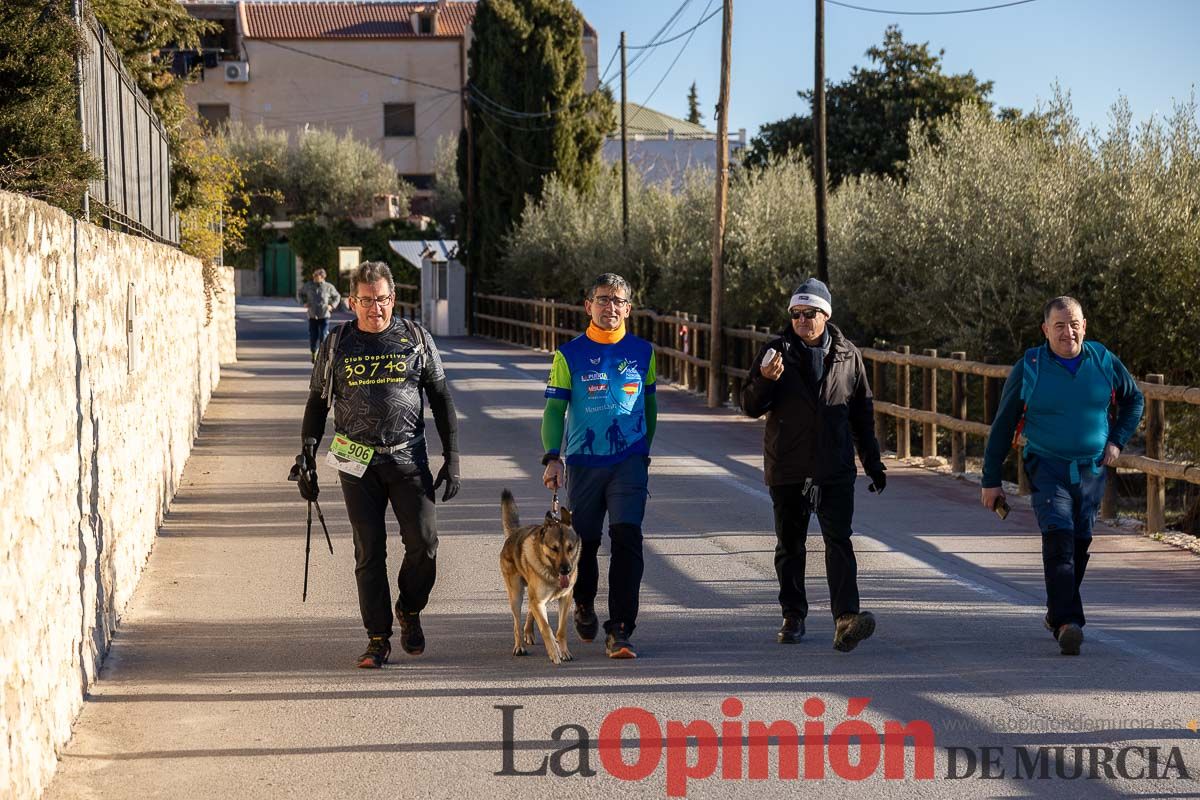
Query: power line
{"x": 516, "y": 126}
{"x": 690, "y": 30}
{"x": 360, "y": 68}
{"x": 508, "y": 150}
{"x": 603, "y": 75}
{"x": 663, "y": 31}
{"x": 677, "y": 55}
{"x": 500, "y": 108}
{"x": 929, "y": 13}
{"x": 646, "y": 50}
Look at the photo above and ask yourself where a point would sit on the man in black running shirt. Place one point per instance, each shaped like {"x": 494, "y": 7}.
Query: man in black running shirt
{"x": 372, "y": 372}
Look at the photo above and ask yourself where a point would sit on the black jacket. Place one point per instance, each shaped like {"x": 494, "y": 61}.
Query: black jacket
{"x": 812, "y": 431}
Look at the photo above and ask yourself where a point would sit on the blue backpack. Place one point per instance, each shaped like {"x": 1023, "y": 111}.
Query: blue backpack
{"x": 1029, "y": 377}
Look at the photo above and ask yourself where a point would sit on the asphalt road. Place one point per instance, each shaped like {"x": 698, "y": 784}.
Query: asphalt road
{"x": 222, "y": 684}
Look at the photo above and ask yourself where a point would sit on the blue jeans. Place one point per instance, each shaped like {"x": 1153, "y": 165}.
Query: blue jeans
{"x": 618, "y": 490}
{"x": 318, "y": 329}
{"x": 1065, "y": 513}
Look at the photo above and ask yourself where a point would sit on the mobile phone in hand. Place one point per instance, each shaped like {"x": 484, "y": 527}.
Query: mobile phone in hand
{"x": 768, "y": 356}
{"x": 1001, "y": 508}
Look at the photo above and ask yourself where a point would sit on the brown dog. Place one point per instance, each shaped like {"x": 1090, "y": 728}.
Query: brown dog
{"x": 545, "y": 560}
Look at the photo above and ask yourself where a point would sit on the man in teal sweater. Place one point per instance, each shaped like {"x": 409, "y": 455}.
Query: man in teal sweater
{"x": 1062, "y": 391}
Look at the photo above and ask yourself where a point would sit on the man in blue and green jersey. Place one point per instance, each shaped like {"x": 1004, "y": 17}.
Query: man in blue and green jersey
{"x": 1061, "y": 392}
{"x": 602, "y": 383}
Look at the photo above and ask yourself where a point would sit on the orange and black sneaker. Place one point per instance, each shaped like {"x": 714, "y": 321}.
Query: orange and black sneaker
{"x": 616, "y": 644}
{"x": 378, "y": 650}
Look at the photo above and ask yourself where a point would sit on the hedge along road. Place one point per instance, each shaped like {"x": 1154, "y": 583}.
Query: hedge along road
{"x": 221, "y": 683}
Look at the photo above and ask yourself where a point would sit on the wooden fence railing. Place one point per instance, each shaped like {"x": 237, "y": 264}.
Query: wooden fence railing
{"x": 682, "y": 347}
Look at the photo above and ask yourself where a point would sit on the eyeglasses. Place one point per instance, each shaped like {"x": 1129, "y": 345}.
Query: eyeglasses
{"x": 370, "y": 302}
{"x": 809, "y": 314}
{"x": 606, "y": 300}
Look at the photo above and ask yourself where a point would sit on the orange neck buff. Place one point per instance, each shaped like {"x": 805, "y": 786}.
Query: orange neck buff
{"x": 605, "y": 337}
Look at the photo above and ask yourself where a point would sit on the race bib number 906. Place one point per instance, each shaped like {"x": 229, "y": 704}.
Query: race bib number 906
{"x": 349, "y": 456}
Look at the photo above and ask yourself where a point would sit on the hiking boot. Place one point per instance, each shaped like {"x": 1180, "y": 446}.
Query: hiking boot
{"x": 586, "y": 624}
{"x": 792, "y": 630}
{"x": 378, "y": 650}
{"x": 617, "y": 645}
{"x": 852, "y": 629}
{"x": 1069, "y": 636}
{"x": 412, "y": 638}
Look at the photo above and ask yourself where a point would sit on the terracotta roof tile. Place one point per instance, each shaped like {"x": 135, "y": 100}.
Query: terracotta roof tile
{"x": 350, "y": 20}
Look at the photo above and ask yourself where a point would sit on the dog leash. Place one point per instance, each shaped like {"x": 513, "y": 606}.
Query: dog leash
{"x": 554, "y": 512}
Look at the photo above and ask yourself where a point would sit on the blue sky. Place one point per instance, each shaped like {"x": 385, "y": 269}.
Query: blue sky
{"x": 1146, "y": 50}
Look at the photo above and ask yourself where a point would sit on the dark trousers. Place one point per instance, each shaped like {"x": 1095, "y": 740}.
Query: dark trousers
{"x": 1065, "y": 513}
{"x": 835, "y": 512}
{"x": 409, "y": 490}
{"x": 618, "y": 490}
{"x": 318, "y": 329}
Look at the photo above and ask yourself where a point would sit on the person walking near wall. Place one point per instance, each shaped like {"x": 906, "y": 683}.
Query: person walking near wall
{"x": 320, "y": 299}
{"x": 373, "y": 371}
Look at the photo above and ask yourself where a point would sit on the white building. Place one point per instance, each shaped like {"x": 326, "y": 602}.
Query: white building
{"x": 662, "y": 148}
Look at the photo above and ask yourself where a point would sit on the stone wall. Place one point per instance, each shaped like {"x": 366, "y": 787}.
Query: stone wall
{"x": 110, "y": 347}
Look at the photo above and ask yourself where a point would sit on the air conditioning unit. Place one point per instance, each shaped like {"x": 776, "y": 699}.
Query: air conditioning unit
{"x": 237, "y": 71}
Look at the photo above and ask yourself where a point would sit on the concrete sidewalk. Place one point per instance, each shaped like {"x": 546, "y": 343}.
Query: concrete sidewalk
{"x": 221, "y": 683}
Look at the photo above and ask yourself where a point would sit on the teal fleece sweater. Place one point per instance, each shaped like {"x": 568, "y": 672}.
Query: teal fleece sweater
{"x": 1067, "y": 416}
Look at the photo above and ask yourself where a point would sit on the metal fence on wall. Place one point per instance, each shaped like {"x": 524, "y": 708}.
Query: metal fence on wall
{"x": 122, "y": 131}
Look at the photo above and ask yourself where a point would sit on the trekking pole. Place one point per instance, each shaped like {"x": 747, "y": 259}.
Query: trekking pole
{"x": 310, "y": 450}
{"x": 324, "y": 527}
{"x": 307, "y": 549}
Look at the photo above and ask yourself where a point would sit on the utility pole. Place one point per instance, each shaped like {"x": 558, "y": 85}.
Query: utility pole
{"x": 818, "y": 117}
{"x": 624, "y": 154}
{"x": 716, "y": 376}
{"x": 468, "y": 228}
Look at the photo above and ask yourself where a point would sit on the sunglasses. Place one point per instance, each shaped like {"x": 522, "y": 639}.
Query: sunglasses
{"x": 809, "y": 314}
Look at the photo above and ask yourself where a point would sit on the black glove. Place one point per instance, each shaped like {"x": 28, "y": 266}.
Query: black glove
{"x": 878, "y": 479}
{"x": 304, "y": 472}
{"x": 448, "y": 474}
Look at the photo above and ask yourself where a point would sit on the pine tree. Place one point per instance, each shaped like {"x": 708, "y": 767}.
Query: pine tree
{"x": 693, "y": 101}
{"x": 526, "y": 57}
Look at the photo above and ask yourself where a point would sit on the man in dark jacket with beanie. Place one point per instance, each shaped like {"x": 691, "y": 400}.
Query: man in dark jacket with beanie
{"x": 813, "y": 388}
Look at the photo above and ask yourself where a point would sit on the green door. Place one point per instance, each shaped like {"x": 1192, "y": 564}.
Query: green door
{"x": 279, "y": 270}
